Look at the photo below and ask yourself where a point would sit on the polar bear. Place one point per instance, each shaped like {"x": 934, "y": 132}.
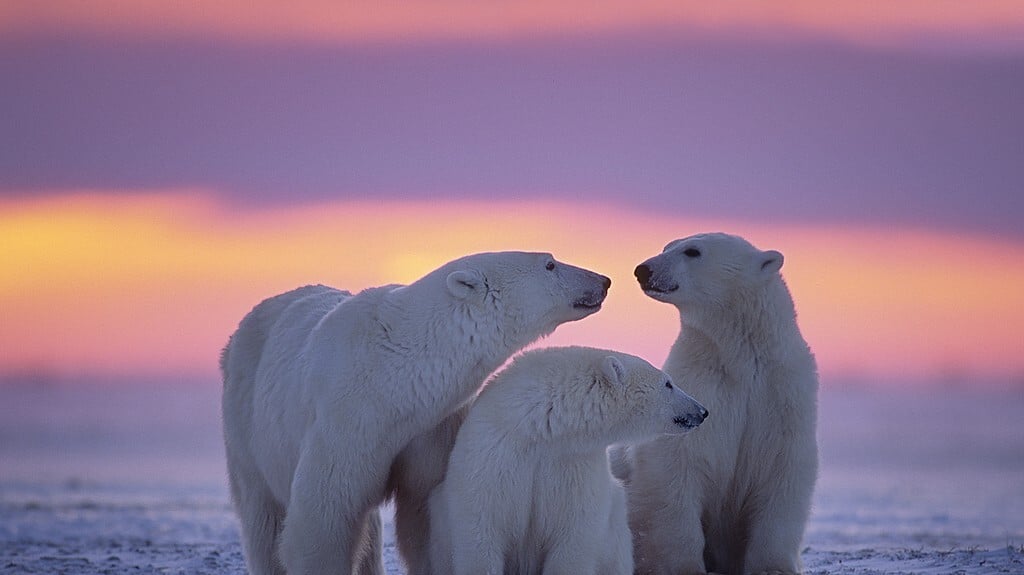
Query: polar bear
{"x": 734, "y": 498}
{"x": 528, "y": 489}
{"x": 324, "y": 389}
{"x": 417, "y": 471}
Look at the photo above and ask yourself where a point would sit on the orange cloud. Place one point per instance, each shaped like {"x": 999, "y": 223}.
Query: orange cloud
{"x": 321, "y": 20}
{"x": 151, "y": 284}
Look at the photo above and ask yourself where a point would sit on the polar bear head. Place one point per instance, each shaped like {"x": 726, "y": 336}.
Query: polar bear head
{"x": 526, "y": 295}
{"x": 709, "y": 273}
{"x": 583, "y": 398}
{"x": 653, "y": 404}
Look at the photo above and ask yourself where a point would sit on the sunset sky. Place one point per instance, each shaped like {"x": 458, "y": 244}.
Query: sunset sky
{"x": 166, "y": 165}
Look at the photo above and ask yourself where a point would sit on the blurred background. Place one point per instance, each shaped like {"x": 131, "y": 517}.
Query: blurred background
{"x": 164, "y": 166}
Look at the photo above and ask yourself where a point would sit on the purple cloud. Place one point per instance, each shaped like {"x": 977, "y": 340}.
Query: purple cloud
{"x": 798, "y": 129}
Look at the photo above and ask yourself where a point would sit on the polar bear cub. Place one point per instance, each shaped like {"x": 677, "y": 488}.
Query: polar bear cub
{"x": 323, "y": 390}
{"x": 734, "y": 498}
{"x": 528, "y": 489}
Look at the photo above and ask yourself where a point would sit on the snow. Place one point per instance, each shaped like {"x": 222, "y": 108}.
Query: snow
{"x": 131, "y": 480}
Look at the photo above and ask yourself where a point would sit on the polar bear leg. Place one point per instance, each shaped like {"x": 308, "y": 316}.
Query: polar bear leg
{"x": 776, "y": 532}
{"x": 369, "y": 558}
{"x": 416, "y": 473}
{"x": 668, "y": 538}
{"x": 570, "y": 557}
{"x": 412, "y": 531}
{"x": 327, "y": 512}
{"x": 484, "y": 560}
{"x": 476, "y": 549}
{"x": 618, "y": 551}
{"x": 261, "y": 518}
{"x": 558, "y": 564}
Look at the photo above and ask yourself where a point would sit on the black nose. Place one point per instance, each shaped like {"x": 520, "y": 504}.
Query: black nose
{"x": 607, "y": 282}
{"x": 704, "y": 414}
{"x": 642, "y": 273}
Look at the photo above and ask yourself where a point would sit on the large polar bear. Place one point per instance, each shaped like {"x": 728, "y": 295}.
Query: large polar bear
{"x": 323, "y": 390}
{"x": 735, "y": 497}
{"x": 528, "y": 489}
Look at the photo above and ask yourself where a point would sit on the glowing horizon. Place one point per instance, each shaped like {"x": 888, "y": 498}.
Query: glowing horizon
{"x": 864, "y": 22}
{"x": 152, "y": 284}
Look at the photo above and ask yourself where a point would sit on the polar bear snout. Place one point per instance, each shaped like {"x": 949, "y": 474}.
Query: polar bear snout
{"x": 653, "y": 282}
{"x": 689, "y": 414}
{"x": 643, "y": 274}
{"x": 691, "y": 420}
{"x": 593, "y": 298}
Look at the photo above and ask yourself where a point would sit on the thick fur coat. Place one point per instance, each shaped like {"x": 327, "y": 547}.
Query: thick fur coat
{"x": 324, "y": 390}
{"x": 528, "y": 488}
{"x": 734, "y": 498}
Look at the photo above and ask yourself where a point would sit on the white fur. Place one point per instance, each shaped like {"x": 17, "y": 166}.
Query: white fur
{"x": 528, "y": 489}
{"x": 738, "y": 492}
{"x": 324, "y": 390}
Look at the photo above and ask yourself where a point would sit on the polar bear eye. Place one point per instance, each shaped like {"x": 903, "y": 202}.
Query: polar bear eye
{"x": 691, "y": 252}
{"x": 668, "y": 384}
{"x": 550, "y": 266}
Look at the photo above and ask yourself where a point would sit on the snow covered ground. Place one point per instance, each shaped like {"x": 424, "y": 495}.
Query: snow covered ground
{"x": 131, "y": 480}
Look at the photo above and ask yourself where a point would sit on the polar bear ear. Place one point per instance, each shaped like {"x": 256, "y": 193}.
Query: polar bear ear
{"x": 770, "y": 262}
{"x": 672, "y": 244}
{"x": 613, "y": 370}
{"x": 465, "y": 284}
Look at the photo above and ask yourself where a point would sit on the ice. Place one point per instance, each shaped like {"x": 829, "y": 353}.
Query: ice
{"x": 131, "y": 479}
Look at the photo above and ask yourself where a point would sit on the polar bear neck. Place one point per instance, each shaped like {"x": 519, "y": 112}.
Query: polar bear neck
{"x": 747, "y": 334}
{"x": 458, "y": 344}
{"x": 553, "y": 409}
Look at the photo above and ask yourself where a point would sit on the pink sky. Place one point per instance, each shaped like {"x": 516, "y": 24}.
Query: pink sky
{"x": 990, "y": 23}
{"x": 166, "y": 165}
{"x": 151, "y": 286}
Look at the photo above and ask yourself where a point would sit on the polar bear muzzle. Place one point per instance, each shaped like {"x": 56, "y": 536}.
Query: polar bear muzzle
{"x": 592, "y": 299}
{"x": 651, "y": 281}
{"x": 690, "y": 422}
